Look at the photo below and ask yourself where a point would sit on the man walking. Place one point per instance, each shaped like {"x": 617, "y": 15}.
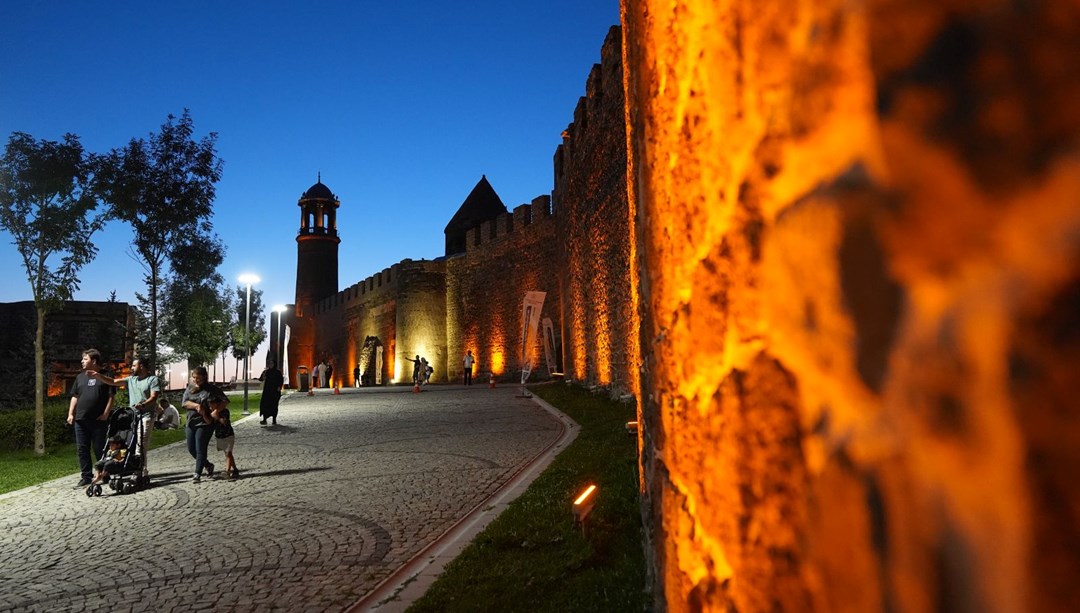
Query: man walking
{"x": 143, "y": 388}
{"x": 91, "y": 404}
{"x": 468, "y": 364}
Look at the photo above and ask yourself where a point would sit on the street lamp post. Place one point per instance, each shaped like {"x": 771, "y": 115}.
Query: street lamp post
{"x": 217, "y": 322}
{"x": 279, "y": 309}
{"x": 248, "y": 280}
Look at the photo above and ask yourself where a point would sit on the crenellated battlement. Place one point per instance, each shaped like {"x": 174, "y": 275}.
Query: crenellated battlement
{"x": 524, "y": 218}
{"x": 592, "y": 114}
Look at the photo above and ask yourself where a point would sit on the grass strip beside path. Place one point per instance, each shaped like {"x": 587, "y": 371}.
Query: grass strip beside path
{"x": 533, "y": 557}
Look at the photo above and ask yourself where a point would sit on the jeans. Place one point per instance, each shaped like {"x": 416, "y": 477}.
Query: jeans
{"x": 198, "y": 441}
{"x": 89, "y": 433}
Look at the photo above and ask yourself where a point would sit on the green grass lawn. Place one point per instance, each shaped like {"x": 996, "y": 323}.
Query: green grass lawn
{"x": 23, "y": 468}
{"x": 533, "y": 557}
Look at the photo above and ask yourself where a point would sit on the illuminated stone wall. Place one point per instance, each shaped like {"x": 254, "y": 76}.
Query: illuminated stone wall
{"x": 600, "y": 331}
{"x": 403, "y": 306}
{"x": 504, "y": 258}
{"x": 859, "y": 227}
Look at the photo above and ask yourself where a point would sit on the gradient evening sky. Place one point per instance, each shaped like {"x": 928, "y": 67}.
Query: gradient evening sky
{"x": 402, "y": 106}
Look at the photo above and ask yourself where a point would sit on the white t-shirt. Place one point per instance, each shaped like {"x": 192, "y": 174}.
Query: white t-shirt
{"x": 169, "y": 419}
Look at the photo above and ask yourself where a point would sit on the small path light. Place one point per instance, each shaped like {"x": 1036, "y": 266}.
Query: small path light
{"x": 631, "y": 428}
{"x": 584, "y": 505}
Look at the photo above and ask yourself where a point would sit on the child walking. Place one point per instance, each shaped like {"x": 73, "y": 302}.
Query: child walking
{"x": 223, "y": 432}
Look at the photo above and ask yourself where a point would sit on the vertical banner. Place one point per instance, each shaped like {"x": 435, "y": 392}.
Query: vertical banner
{"x": 285, "y": 356}
{"x": 378, "y": 365}
{"x": 530, "y": 320}
{"x": 549, "y": 346}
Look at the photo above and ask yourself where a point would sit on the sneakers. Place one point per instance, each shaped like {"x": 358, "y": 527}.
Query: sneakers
{"x": 196, "y": 478}
{"x": 209, "y": 469}
{"x": 263, "y": 422}
{"x": 83, "y": 483}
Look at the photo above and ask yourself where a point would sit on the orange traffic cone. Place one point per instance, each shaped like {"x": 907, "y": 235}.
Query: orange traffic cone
{"x": 416, "y": 387}
{"x": 491, "y": 380}
{"x": 337, "y": 389}
{"x": 311, "y": 391}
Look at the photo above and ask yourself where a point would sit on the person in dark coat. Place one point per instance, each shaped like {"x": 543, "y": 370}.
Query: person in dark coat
{"x": 273, "y": 381}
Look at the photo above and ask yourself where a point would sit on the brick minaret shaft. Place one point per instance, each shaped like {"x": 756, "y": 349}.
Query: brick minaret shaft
{"x": 316, "y": 271}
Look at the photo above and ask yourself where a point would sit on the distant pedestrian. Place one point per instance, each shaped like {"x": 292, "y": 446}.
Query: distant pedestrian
{"x": 416, "y": 369}
{"x": 425, "y": 371}
{"x": 329, "y": 374}
{"x": 356, "y": 375}
{"x": 467, "y": 364}
{"x": 88, "y": 412}
{"x": 273, "y": 380}
{"x": 200, "y": 399}
{"x": 226, "y": 438}
{"x": 320, "y": 374}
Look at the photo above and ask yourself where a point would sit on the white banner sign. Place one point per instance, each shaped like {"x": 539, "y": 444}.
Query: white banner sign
{"x": 530, "y": 320}
{"x": 549, "y": 346}
{"x": 285, "y": 356}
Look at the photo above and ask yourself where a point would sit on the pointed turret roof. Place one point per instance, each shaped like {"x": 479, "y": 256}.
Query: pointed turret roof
{"x": 482, "y": 204}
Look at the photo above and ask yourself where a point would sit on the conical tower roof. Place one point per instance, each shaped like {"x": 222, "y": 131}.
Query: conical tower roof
{"x": 482, "y": 204}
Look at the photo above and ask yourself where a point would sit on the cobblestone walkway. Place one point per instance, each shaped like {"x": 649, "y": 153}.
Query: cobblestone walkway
{"x": 334, "y": 499}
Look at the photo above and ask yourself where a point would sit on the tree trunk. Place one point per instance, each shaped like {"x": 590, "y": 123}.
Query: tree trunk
{"x": 39, "y": 383}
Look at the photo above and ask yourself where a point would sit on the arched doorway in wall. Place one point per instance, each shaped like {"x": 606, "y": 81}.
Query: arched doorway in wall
{"x": 373, "y": 363}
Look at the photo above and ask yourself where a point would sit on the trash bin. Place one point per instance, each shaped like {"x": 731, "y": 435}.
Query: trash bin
{"x": 304, "y": 377}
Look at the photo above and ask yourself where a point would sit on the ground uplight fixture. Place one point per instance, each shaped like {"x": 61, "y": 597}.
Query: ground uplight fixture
{"x": 247, "y": 279}
{"x": 584, "y": 503}
{"x": 631, "y": 427}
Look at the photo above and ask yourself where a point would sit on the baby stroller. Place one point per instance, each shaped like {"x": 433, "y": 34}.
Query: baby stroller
{"x": 124, "y": 467}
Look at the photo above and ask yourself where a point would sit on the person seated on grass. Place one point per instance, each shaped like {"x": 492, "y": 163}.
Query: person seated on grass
{"x": 168, "y": 417}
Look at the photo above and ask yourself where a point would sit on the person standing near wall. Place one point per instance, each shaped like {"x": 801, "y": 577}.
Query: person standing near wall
{"x": 356, "y": 375}
{"x": 467, "y": 364}
{"x": 91, "y": 403}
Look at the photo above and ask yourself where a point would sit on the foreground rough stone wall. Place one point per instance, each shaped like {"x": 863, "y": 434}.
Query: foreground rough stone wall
{"x": 860, "y": 233}
{"x": 600, "y": 332}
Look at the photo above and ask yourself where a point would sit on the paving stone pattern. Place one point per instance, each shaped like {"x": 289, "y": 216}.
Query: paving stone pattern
{"x": 346, "y": 489}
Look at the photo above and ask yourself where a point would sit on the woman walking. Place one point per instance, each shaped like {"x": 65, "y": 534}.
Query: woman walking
{"x": 273, "y": 381}
{"x": 200, "y": 398}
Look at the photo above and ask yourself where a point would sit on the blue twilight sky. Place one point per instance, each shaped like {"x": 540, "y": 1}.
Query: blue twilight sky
{"x": 402, "y": 106}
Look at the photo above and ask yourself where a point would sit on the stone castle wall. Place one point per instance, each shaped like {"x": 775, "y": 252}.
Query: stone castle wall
{"x": 860, "y": 291}
{"x": 595, "y": 225}
{"x": 403, "y": 306}
{"x": 504, "y": 258}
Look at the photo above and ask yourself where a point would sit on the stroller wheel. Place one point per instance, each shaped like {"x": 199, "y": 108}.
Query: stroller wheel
{"x": 90, "y": 491}
{"x": 97, "y": 490}
{"x": 129, "y": 488}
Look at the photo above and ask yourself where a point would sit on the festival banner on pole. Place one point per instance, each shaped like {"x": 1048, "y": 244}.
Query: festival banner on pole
{"x": 530, "y": 320}
{"x": 549, "y": 346}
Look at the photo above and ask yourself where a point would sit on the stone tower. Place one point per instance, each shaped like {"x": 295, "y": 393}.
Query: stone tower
{"x": 316, "y": 270}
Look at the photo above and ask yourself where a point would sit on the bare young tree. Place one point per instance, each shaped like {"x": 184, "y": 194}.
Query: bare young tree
{"x": 48, "y": 206}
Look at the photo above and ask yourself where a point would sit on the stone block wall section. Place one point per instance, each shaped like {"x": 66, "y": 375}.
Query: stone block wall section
{"x": 860, "y": 283}
{"x": 485, "y": 287}
{"x": 599, "y": 299}
{"x": 403, "y": 306}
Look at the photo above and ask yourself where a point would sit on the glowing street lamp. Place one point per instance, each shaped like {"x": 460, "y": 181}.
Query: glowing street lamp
{"x": 279, "y": 309}
{"x": 248, "y": 280}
